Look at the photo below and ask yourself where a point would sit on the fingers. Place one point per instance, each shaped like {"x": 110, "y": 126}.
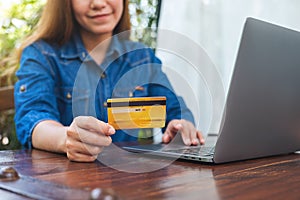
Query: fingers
{"x": 94, "y": 125}
{"x": 190, "y": 135}
{"x": 201, "y": 138}
{"x": 173, "y": 127}
{"x": 86, "y": 138}
{"x": 78, "y": 157}
{"x": 90, "y": 130}
{"x": 89, "y": 137}
{"x": 80, "y": 152}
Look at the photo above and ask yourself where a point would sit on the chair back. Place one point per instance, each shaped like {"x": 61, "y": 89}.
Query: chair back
{"x": 7, "y": 98}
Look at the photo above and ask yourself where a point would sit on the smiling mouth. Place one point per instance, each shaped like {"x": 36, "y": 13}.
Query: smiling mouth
{"x": 100, "y": 16}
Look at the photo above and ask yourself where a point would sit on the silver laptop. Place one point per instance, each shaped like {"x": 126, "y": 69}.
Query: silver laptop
{"x": 263, "y": 103}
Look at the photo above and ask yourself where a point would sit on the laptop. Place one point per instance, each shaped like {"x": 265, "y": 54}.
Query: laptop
{"x": 262, "y": 112}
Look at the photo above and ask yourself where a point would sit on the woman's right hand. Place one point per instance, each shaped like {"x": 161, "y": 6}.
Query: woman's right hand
{"x": 86, "y": 137}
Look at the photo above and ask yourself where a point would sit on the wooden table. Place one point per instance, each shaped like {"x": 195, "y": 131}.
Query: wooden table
{"x": 46, "y": 175}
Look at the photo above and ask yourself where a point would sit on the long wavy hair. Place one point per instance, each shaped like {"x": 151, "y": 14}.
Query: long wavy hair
{"x": 58, "y": 23}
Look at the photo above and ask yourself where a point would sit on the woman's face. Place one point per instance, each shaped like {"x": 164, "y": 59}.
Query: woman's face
{"x": 97, "y": 16}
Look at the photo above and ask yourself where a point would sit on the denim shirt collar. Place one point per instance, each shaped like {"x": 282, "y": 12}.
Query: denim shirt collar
{"x": 74, "y": 48}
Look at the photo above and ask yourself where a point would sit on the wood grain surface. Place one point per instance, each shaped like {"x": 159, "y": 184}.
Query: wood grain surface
{"x": 267, "y": 178}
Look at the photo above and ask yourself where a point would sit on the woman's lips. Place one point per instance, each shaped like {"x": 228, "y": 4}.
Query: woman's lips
{"x": 100, "y": 16}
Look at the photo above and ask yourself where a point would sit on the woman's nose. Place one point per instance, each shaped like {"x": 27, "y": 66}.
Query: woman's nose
{"x": 98, "y": 4}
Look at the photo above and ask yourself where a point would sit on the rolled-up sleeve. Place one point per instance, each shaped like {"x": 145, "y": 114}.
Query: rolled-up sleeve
{"x": 34, "y": 93}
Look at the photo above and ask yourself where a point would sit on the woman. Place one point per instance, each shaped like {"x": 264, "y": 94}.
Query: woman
{"x": 64, "y": 80}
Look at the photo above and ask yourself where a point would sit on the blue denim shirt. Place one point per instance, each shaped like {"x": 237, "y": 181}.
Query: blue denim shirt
{"x": 62, "y": 82}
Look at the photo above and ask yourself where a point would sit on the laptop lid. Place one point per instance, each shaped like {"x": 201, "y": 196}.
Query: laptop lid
{"x": 262, "y": 113}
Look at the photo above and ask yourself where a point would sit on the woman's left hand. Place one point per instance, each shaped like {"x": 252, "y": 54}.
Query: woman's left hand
{"x": 190, "y": 135}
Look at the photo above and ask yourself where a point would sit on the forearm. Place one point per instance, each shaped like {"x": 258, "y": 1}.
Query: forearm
{"x": 50, "y": 135}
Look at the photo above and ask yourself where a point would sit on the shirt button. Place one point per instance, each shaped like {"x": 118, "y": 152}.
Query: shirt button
{"x": 130, "y": 94}
{"x": 105, "y": 104}
{"x": 22, "y": 88}
{"x": 69, "y": 96}
{"x": 103, "y": 75}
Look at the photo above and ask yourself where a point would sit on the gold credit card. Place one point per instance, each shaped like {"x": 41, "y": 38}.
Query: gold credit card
{"x": 136, "y": 112}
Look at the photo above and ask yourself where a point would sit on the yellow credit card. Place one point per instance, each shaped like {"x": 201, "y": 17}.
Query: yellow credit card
{"x": 136, "y": 112}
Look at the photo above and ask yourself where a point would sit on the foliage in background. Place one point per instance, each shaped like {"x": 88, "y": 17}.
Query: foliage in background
{"x": 18, "y": 22}
{"x": 144, "y": 20}
{"x": 21, "y": 18}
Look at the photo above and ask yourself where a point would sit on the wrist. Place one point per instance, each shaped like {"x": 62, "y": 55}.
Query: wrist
{"x": 62, "y": 141}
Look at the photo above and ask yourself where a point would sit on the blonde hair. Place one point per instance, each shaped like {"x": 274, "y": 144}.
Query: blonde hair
{"x": 57, "y": 24}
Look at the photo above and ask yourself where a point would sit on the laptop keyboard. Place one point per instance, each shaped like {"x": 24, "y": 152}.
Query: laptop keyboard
{"x": 196, "y": 151}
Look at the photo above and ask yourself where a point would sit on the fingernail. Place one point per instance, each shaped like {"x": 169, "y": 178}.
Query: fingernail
{"x": 202, "y": 141}
{"x": 195, "y": 142}
{"x": 111, "y": 130}
{"x": 165, "y": 137}
{"x": 179, "y": 126}
{"x": 187, "y": 142}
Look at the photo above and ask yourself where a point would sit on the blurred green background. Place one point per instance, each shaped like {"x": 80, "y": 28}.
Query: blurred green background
{"x": 19, "y": 17}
